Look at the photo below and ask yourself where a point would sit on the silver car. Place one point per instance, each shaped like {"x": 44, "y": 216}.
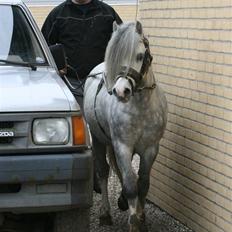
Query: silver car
{"x": 45, "y": 156}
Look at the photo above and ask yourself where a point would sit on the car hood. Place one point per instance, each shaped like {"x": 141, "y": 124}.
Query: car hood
{"x": 22, "y": 89}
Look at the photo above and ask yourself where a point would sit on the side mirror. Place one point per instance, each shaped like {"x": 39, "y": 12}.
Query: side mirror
{"x": 59, "y": 56}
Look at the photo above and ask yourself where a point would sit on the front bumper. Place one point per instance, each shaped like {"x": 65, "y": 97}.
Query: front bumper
{"x": 46, "y": 182}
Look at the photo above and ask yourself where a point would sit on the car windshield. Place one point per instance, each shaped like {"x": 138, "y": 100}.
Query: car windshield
{"x": 18, "y": 42}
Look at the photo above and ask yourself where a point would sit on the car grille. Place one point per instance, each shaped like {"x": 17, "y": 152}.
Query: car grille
{"x": 14, "y": 132}
{"x": 4, "y": 126}
{"x": 6, "y": 140}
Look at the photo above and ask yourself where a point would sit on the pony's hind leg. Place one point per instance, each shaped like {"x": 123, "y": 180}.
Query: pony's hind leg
{"x": 102, "y": 169}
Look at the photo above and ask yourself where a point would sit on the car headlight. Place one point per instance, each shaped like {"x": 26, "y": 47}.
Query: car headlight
{"x": 50, "y": 131}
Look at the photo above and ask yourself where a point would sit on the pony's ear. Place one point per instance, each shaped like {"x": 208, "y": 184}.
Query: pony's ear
{"x": 139, "y": 28}
{"x": 115, "y": 26}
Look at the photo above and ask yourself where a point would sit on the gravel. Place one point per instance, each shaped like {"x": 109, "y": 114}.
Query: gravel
{"x": 157, "y": 220}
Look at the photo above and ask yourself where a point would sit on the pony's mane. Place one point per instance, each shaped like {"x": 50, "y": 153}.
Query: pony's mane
{"x": 121, "y": 46}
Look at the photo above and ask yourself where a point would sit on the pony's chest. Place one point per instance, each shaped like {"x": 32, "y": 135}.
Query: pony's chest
{"x": 151, "y": 128}
{"x": 143, "y": 123}
{"x": 153, "y": 121}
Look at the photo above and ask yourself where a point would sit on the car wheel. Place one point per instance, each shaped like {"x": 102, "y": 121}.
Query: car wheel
{"x": 72, "y": 220}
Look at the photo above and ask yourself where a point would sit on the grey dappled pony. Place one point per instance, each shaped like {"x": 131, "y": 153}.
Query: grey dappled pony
{"x": 127, "y": 112}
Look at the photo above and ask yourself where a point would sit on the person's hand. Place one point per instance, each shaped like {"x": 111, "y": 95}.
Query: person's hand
{"x": 63, "y": 71}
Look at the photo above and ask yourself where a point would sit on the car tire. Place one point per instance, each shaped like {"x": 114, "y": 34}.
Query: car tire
{"x": 72, "y": 220}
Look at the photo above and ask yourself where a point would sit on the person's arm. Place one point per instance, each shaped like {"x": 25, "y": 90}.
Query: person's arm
{"x": 51, "y": 34}
{"x": 117, "y": 18}
{"x": 50, "y": 30}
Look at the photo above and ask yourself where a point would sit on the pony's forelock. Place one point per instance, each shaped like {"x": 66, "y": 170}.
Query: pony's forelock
{"x": 121, "y": 47}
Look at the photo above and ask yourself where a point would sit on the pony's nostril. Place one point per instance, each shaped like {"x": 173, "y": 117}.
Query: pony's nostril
{"x": 114, "y": 92}
{"x": 127, "y": 91}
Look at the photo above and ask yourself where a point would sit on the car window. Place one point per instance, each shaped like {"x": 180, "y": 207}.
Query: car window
{"x": 17, "y": 39}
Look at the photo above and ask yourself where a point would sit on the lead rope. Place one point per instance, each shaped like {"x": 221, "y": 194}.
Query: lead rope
{"x": 153, "y": 76}
{"x": 137, "y": 9}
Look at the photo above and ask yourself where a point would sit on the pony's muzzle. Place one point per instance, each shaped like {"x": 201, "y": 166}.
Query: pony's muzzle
{"x": 123, "y": 97}
{"x": 122, "y": 90}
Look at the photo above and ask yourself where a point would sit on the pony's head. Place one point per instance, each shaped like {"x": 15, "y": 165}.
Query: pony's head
{"x": 127, "y": 60}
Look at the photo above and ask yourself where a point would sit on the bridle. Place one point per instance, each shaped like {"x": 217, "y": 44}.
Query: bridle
{"x": 147, "y": 60}
{"x": 134, "y": 77}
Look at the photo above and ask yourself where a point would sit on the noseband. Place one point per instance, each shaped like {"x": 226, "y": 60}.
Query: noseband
{"x": 134, "y": 77}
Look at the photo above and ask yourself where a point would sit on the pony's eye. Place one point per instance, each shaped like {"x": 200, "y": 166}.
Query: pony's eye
{"x": 139, "y": 57}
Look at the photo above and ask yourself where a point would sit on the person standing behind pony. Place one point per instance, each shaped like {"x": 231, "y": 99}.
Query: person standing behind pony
{"x": 84, "y": 28}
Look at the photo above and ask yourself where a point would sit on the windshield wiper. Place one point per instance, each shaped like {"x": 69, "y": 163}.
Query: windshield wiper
{"x": 24, "y": 64}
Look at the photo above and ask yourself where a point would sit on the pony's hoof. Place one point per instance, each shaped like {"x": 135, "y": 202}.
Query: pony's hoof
{"x": 143, "y": 227}
{"x": 122, "y": 203}
{"x": 137, "y": 225}
{"x": 133, "y": 229}
{"x": 142, "y": 223}
{"x": 105, "y": 220}
{"x": 134, "y": 224}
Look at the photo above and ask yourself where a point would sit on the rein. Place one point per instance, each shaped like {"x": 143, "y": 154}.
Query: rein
{"x": 101, "y": 83}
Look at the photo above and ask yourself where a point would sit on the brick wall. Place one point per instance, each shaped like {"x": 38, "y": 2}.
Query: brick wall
{"x": 191, "y": 41}
{"x": 126, "y": 12}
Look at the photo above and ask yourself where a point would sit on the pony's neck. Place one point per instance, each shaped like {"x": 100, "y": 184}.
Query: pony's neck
{"x": 144, "y": 96}
{"x": 149, "y": 78}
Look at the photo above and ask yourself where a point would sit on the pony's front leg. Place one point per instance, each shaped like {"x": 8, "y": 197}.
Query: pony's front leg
{"x": 146, "y": 161}
{"x": 123, "y": 154}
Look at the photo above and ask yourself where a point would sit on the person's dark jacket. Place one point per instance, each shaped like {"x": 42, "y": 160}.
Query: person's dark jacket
{"x": 84, "y": 30}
